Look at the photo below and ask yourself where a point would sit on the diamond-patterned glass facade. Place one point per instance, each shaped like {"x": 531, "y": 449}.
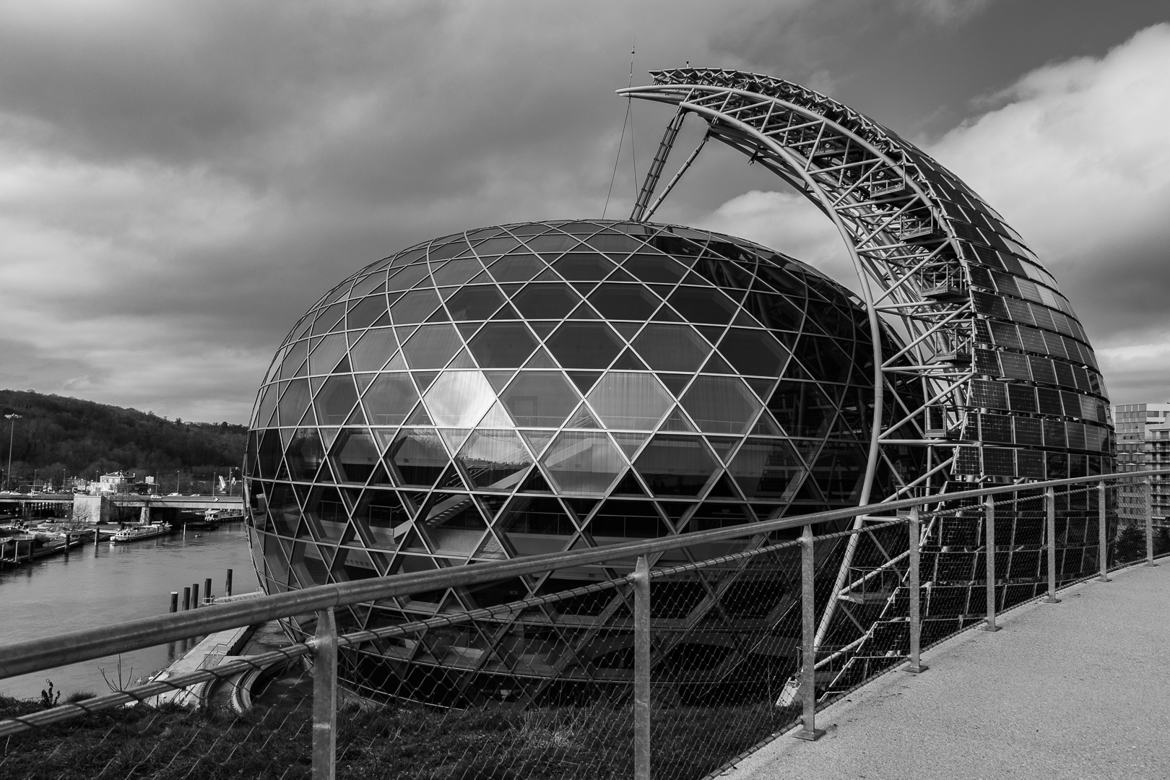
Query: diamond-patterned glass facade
{"x": 550, "y": 386}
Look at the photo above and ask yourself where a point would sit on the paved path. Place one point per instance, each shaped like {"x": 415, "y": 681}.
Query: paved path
{"x": 1069, "y": 690}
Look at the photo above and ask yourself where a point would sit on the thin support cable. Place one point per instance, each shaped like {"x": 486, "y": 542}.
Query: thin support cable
{"x": 621, "y": 139}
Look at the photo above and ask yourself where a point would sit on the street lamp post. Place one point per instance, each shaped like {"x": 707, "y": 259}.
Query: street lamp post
{"x": 12, "y": 418}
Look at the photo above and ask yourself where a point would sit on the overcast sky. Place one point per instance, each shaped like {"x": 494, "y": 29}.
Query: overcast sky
{"x": 179, "y": 181}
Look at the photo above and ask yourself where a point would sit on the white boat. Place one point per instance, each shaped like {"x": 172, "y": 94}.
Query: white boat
{"x": 217, "y": 516}
{"x": 138, "y": 532}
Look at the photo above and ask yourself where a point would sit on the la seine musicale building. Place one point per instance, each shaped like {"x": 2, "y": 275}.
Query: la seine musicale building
{"x": 546, "y": 386}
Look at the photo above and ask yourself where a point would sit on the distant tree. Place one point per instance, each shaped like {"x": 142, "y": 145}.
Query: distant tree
{"x": 1130, "y": 544}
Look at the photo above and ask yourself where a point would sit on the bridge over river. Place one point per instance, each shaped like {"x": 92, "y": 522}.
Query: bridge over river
{"x": 101, "y": 508}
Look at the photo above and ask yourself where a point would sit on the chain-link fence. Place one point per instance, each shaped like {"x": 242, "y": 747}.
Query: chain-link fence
{"x": 677, "y": 655}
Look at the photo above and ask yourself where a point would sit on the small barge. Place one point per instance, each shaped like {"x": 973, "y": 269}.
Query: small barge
{"x": 137, "y": 533}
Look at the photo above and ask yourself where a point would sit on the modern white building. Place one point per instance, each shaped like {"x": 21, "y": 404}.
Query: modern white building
{"x": 1143, "y": 442}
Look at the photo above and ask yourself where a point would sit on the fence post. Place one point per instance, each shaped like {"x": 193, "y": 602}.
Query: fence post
{"x": 915, "y": 666}
{"x": 227, "y": 587}
{"x": 1050, "y": 543}
{"x": 1150, "y": 523}
{"x": 641, "y": 582}
{"x": 989, "y": 560}
{"x": 808, "y": 684}
{"x": 325, "y": 696}
{"x": 1102, "y": 533}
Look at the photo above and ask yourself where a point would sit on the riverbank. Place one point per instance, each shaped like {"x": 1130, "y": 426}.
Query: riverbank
{"x": 102, "y": 584}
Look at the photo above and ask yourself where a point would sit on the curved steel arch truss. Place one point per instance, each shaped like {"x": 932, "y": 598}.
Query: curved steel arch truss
{"x": 1004, "y": 385}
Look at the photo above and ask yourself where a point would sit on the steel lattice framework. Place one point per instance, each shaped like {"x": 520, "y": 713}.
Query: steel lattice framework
{"x": 1007, "y": 387}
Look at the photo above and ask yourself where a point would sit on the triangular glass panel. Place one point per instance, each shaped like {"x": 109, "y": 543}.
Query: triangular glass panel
{"x": 762, "y": 387}
{"x": 711, "y": 332}
{"x": 397, "y": 363}
{"x": 541, "y": 359}
{"x": 327, "y": 436}
{"x": 548, "y": 275}
{"x": 497, "y": 417}
{"x": 629, "y": 443}
{"x": 450, "y": 478}
{"x": 499, "y": 379}
{"x": 423, "y": 379}
{"x": 453, "y": 437}
{"x": 722, "y": 488}
{"x": 675, "y": 382}
{"x": 379, "y": 476}
{"x": 506, "y": 312}
{"x": 717, "y": 365}
{"x": 677, "y": 421}
{"x": 722, "y": 445}
{"x": 404, "y": 332}
{"x": 628, "y": 485}
{"x": 535, "y": 483}
{"x": 356, "y": 417}
{"x": 494, "y": 460}
{"x": 584, "y": 379}
{"x": 537, "y": 440}
{"x": 583, "y": 289}
{"x": 413, "y": 542}
{"x": 745, "y": 320}
{"x": 468, "y": 329}
{"x": 765, "y": 426}
{"x": 286, "y": 435}
{"x": 440, "y": 315}
{"x": 542, "y": 328}
{"x": 627, "y": 329}
{"x": 581, "y": 508}
{"x": 627, "y": 361}
{"x": 308, "y": 419}
{"x": 620, "y": 275}
{"x": 582, "y": 418}
{"x": 419, "y": 416}
{"x": 666, "y": 314}
{"x": 462, "y": 360}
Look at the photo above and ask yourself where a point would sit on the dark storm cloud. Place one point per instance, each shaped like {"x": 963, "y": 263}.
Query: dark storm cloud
{"x": 178, "y": 182}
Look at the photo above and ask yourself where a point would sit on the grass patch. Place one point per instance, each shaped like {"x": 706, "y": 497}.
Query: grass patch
{"x": 497, "y": 742}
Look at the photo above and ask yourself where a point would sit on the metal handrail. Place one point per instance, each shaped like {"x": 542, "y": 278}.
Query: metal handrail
{"x": 32, "y": 655}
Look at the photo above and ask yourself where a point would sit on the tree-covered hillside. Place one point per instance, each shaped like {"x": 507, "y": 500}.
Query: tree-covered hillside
{"x": 57, "y": 436}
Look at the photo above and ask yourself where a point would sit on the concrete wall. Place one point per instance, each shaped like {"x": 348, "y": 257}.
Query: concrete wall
{"x": 90, "y": 509}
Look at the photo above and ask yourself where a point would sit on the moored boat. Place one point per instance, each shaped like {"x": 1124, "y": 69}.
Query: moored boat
{"x": 137, "y": 533}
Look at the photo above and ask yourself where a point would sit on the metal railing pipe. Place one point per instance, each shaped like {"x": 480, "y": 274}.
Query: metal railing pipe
{"x": 1150, "y": 523}
{"x": 808, "y": 680}
{"x": 641, "y": 583}
{"x": 31, "y": 655}
{"x": 913, "y": 531}
{"x": 325, "y": 696}
{"x": 989, "y": 561}
{"x": 1050, "y": 544}
{"x": 1102, "y": 534}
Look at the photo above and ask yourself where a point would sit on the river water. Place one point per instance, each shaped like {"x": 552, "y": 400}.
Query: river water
{"x": 120, "y": 582}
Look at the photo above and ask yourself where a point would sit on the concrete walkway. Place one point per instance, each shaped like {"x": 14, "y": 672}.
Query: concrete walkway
{"x": 1076, "y": 689}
